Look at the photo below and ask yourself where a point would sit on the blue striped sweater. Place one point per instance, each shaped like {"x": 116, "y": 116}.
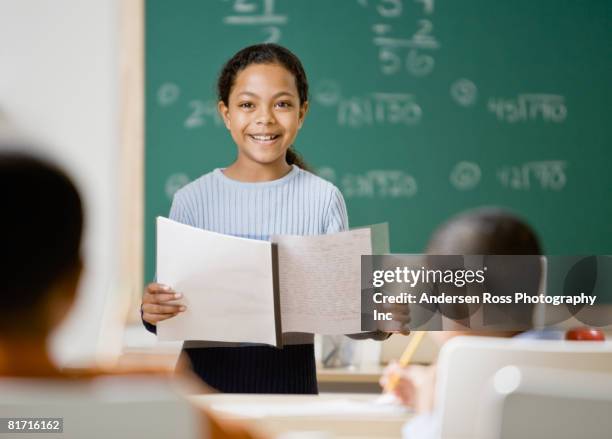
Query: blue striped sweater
{"x": 300, "y": 203}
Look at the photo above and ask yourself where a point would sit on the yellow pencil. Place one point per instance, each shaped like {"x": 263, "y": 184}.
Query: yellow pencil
{"x": 405, "y": 359}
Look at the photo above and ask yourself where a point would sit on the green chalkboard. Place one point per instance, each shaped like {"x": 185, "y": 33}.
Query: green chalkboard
{"x": 419, "y": 108}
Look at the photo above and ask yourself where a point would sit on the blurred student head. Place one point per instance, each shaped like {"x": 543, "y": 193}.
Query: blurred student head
{"x": 500, "y": 236}
{"x": 41, "y": 224}
{"x": 484, "y": 231}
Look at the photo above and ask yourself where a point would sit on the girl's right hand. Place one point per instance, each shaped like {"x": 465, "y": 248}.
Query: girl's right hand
{"x": 155, "y": 306}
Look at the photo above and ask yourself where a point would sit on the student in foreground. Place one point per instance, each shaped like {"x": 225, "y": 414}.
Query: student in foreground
{"x": 484, "y": 231}
{"x": 41, "y": 265}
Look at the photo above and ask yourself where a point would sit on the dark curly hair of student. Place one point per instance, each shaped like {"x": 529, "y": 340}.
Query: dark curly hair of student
{"x": 267, "y": 53}
{"x": 41, "y": 229}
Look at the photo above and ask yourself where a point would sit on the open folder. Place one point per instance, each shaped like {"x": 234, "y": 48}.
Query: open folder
{"x": 250, "y": 291}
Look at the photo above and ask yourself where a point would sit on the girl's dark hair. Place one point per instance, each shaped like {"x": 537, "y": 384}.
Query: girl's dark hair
{"x": 485, "y": 231}
{"x": 267, "y": 53}
{"x": 41, "y": 228}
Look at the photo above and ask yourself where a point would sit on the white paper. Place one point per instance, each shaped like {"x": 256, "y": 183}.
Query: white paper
{"x": 320, "y": 281}
{"x": 226, "y": 283}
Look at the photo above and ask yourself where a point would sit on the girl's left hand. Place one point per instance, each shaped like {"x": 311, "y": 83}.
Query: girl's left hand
{"x": 400, "y": 322}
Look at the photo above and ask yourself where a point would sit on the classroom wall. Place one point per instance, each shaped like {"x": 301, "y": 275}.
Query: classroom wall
{"x": 59, "y": 87}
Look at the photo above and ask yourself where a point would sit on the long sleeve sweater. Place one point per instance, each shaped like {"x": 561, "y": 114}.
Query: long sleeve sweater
{"x": 299, "y": 203}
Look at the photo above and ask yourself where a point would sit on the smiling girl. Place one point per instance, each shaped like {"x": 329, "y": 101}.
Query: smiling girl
{"x": 263, "y": 99}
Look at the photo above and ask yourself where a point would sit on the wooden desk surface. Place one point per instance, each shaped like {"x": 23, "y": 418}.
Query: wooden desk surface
{"x": 333, "y": 425}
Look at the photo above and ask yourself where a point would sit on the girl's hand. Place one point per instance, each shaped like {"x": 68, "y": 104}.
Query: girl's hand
{"x": 400, "y": 322}
{"x": 155, "y": 306}
{"x": 415, "y": 387}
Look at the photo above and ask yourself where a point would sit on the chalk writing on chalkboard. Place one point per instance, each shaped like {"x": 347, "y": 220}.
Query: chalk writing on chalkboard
{"x": 167, "y": 94}
{"x": 379, "y": 183}
{"x": 397, "y": 53}
{"x": 547, "y": 175}
{"x": 465, "y": 175}
{"x": 174, "y": 182}
{"x": 258, "y": 13}
{"x": 202, "y": 113}
{"x": 428, "y": 6}
{"x": 327, "y": 92}
{"x": 379, "y": 109}
{"x": 464, "y": 92}
{"x": 529, "y": 106}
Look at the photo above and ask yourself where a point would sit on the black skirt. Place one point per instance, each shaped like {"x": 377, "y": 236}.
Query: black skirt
{"x": 256, "y": 369}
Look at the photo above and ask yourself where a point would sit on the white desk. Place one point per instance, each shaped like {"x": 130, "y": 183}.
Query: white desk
{"x": 334, "y": 425}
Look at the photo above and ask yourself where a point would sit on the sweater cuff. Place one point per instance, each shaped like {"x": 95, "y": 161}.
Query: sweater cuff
{"x": 373, "y": 335}
{"x": 149, "y": 326}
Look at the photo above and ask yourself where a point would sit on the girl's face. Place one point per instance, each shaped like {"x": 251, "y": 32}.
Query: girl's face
{"x": 263, "y": 114}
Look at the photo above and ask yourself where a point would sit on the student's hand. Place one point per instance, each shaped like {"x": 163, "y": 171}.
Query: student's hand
{"x": 155, "y": 306}
{"x": 415, "y": 387}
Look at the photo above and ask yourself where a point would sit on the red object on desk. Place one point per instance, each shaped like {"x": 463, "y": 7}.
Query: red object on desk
{"x": 584, "y": 333}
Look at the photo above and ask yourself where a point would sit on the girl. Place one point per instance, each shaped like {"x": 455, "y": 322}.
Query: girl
{"x": 263, "y": 100}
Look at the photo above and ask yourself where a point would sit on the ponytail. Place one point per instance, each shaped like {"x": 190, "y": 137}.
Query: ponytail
{"x": 294, "y": 158}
